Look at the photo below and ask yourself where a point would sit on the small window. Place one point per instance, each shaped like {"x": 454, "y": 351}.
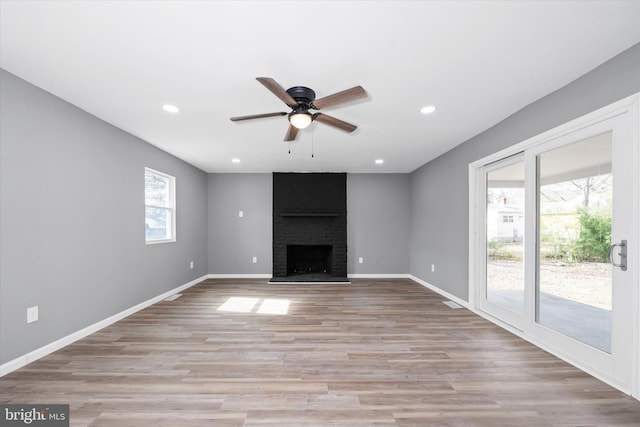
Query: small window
{"x": 160, "y": 207}
{"x": 507, "y": 218}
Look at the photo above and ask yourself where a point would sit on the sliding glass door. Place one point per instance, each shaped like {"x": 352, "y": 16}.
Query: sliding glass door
{"x": 584, "y": 204}
{"x": 575, "y": 212}
{"x": 504, "y": 209}
{"x": 553, "y": 233}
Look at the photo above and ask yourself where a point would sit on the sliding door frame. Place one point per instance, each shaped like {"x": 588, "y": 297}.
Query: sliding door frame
{"x": 482, "y": 301}
{"x": 629, "y": 106}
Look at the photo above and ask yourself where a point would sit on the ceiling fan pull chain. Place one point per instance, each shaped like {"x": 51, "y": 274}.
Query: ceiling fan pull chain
{"x": 313, "y": 128}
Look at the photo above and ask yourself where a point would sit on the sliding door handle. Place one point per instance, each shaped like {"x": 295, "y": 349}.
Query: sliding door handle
{"x": 623, "y": 255}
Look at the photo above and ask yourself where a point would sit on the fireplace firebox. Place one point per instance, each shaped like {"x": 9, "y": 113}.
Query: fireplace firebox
{"x": 309, "y": 259}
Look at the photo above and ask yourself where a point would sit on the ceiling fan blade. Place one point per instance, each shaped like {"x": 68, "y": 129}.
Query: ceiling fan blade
{"x": 348, "y": 95}
{"x": 277, "y": 90}
{"x": 291, "y": 134}
{"x": 256, "y": 116}
{"x": 332, "y": 121}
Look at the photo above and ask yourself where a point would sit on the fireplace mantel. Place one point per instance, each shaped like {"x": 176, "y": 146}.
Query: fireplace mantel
{"x": 310, "y": 214}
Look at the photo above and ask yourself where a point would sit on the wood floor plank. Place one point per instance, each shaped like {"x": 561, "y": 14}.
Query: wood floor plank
{"x": 373, "y": 353}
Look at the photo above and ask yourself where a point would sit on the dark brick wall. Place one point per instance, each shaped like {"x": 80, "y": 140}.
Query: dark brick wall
{"x": 310, "y": 209}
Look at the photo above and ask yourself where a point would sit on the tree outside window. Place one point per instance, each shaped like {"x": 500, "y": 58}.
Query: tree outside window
{"x": 159, "y": 192}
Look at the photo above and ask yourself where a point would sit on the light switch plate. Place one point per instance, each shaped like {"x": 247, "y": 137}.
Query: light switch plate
{"x": 32, "y": 314}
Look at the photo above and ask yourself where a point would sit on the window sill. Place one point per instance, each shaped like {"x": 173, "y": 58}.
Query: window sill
{"x": 155, "y": 242}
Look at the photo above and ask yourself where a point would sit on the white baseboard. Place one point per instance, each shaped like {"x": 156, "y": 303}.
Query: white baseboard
{"x": 34, "y": 355}
{"x": 437, "y": 290}
{"x": 240, "y": 276}
{"x": 378, "y": 276}
{"x": 269, "y": 276}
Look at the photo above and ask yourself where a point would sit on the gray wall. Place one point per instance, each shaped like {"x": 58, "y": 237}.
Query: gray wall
{"x": 377, "y": 223}
{"x": 378, "y": 220}
{"x": 439, "y": 189}
{"x": 72, "y": 219}
{"x": 234, "y": 241}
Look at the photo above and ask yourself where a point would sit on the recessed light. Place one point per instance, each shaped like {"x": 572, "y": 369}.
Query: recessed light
{"x": 235, "y": 160}
{"x": 428, "y": 109}
{"x": 170, "y": 108}
{"x": 379, "y": 161}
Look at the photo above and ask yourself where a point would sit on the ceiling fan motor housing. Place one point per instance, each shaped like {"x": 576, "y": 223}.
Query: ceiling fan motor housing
{"x": 303, "y": 96}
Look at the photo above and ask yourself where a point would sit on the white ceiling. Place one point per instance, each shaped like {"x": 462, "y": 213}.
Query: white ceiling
{"x": 477, "y": 61}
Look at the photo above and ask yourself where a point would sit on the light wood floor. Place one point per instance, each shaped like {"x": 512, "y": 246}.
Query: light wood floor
{"x": 373, "y": 353}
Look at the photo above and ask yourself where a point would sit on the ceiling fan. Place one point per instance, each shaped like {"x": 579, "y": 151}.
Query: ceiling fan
{"x": 301, "y": 99}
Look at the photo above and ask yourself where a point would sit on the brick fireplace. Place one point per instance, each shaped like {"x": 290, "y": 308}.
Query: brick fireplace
{"x": 309, "y": 227}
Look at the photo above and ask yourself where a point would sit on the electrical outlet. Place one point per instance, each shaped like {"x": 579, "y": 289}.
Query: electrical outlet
{"x": 240, "y": 214}
{"x": 360, "y": 260}
{"x": 433, "y": 268}
{"x": 191, "y": 265}
{"x": 32, "y": 314}
{"x": 255, "y": 259}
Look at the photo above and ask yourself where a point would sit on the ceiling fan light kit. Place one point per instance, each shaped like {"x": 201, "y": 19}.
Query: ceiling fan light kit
{"x": 300, "y": 120}
{"x": 301, "y": 99}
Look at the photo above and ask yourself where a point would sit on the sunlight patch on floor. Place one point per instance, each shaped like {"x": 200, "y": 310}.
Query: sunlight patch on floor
{"x": 274, "y": 306}
{"x": 246, "y": 305}
{"x": 239, "y": 305}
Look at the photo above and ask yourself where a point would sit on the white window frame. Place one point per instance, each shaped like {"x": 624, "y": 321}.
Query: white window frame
{"x": 170, "y": 207}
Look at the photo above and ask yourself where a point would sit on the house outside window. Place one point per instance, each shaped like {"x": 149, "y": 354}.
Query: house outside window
{"x": 160, "y": 207}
